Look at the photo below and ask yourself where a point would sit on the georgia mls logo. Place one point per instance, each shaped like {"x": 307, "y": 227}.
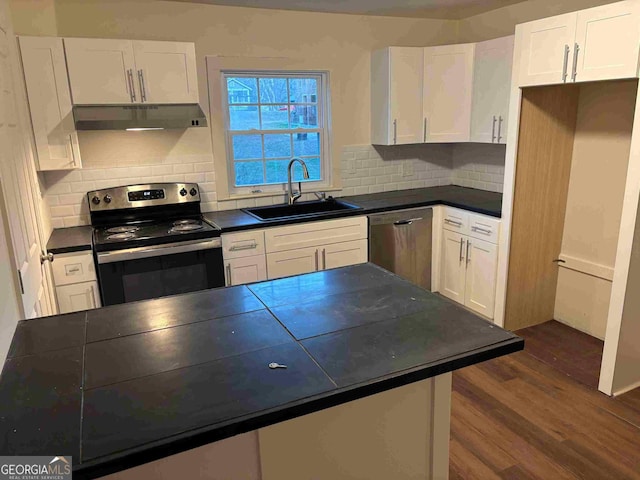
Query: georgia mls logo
{"x": 35, "y": 468}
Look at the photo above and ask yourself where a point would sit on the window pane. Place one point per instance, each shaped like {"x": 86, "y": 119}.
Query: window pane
{"x": 273, "y": 90}
{"x": 277, "y": 171}
{"x": 313, "y": 165}
{"x": 275, "y": 117}
{"x": 277, "y": 146}
{"x": 306, "y": 144}
{"x": 303, "y": 90}
{"x": 244, "y": 118}
{"x": 242, "y": 90}
{"x": 304, "y": 116}
{"x": 249, "y": 173}
{"x": 247, "y": 146}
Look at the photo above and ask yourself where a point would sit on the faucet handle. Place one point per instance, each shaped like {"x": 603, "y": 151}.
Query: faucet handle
{"x": 320, "y": 195}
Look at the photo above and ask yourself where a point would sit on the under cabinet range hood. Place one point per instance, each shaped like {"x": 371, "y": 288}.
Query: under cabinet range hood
{"x": 138, "y": 117}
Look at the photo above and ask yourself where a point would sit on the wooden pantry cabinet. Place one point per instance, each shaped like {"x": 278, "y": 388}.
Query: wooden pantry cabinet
{"x": 601, "y": 43}
{"x": 108, "y": 71}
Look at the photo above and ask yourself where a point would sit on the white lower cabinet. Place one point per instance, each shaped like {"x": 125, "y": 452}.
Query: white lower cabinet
{"x": 74, "y": 275}
{"x": 469, "y": 265}
{"x": 345, "y": 253}
{"x": 239, "y": 271}
{"x": 293, "y": 262}
{"x": 78, "y": 296}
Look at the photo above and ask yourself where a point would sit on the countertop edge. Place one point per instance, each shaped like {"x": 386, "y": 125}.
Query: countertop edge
{"x": 199, "y": 437}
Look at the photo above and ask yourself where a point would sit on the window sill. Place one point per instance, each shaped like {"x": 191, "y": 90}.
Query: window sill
{"x": 274, "y": 194}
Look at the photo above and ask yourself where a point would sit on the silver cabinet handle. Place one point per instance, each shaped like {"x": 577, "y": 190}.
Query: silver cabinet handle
{"x": 500, "y": 120}
{"x": 461, "y": 246}
{"x": 424, "y": 138}
{"x": 93, "y": 297}
{"x": 324, "y": 258}
{"x": 143, "y": 90}
{"x": 481, "y": 230}
{"x": 227, "y": 280}
{"x": 565, "y": 64}
{"x": 132, "y": 91}
{"x": 574, "y": 73}
{"x": 453, "y": 222}
{"x": 236, "y": 248}
{"x": 493, "y": 130}
{"x": 468, "y": 256}
{"x": 395, "y": 131}
{"x": 316, "y": 260}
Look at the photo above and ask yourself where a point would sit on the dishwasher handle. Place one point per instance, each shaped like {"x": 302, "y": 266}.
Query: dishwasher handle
{"x": 409, "y": 221}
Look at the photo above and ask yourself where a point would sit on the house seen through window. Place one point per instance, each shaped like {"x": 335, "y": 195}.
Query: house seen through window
{"x": 271, "y": 118}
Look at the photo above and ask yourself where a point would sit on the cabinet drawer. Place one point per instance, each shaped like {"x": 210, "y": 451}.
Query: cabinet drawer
{"x": 455, "y": 220}
{"x": 484, "y": 228}
{"x": 73, "y": 268}
{"x": 243, "y": 244}
{"x": 315, "y": 234}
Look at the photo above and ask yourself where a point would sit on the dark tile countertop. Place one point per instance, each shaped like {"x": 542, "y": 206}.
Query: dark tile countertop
{"x": 479, "y": 201}
{"x": 76, "y": 239}
{"x": 68, "y": 240}
{"x": 127, "y": 384}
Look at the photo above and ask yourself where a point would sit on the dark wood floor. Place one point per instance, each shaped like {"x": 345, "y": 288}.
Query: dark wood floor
{"x": 538, "y": 414}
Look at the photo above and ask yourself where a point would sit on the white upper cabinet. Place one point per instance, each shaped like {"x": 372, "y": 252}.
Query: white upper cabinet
{"x": 45, "y": 74}
{"x": 396, "y": 96}
{"x": 491, "y": 90}
{"x": 607, "y": 42}
{"x": 166, "y": 71}
{"x": 545, "y": 51}
{"x": 600, "y": 43}
{"x": 447, "y": 88}
{"x": 103, "y": 72}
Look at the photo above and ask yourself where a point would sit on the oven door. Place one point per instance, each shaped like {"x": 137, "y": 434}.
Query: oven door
{"x": 160, "y": 270}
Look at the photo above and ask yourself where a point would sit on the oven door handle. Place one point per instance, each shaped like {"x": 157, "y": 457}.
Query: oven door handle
{"x": 157, "y": 250}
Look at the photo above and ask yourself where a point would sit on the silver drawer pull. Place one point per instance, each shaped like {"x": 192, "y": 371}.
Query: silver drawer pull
{"x": 236, "y": 248}
{"x": 452, "y": 222}
{"x": 408, "y": 221}
{"x": 481, "y": 230}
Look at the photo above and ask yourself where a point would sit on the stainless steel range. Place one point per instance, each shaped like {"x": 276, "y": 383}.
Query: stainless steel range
{"x": 151, "y": 241}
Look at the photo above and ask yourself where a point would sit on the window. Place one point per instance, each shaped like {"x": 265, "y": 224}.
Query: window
{"x": 270, "y": 118}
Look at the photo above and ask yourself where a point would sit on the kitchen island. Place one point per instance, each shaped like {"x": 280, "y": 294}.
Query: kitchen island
{"x": 147, "y": 384}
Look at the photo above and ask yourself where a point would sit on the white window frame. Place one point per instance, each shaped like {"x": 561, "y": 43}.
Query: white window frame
{"x": 324, "y": 128}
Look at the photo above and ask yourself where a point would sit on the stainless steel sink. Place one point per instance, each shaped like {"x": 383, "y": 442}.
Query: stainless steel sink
{"x": 316, "y": 208}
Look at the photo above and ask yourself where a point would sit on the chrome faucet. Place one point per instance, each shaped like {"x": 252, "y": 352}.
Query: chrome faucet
{"x": 305, "y": 174}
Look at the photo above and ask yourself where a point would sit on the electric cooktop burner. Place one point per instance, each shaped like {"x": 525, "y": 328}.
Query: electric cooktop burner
{"x": 189, "y": 221}
{"x": 121, "y": 236}
{"x": 186, "y": 227}
{"x": 122, "y": 229}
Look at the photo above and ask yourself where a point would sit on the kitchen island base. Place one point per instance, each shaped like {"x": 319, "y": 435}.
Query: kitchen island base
{"x": 401, "y": 434}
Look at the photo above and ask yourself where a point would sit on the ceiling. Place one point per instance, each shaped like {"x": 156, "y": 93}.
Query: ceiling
{"x": 449, "y": 9}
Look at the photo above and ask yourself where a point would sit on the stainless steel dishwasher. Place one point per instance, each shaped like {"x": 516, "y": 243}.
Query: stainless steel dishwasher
{"x": 400, "y": 241}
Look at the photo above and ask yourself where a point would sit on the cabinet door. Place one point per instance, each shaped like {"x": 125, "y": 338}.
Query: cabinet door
{"x": 405, "y": 95}
{"x": 345, "y": 253}
{"x": 491, "y": 89}
{"x": 482, "y": 264}
{"x": 293, "y": 262}
{"x": 47, "y": 83}
{"x": 101, "y": 71}
{"x": 546, "y": 55}
{"x": 607, "y": 42}
{"x": 448, "y": 84}
{"x": 453, "y": 266}
{"x": 239, "y": 271}
{"x": 77, "y": 297}
{"x": 166, "y": 71}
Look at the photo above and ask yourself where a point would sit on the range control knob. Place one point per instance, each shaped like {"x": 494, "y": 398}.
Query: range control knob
{"x": 183, "y": 192}
{"x": 107, "y": 199}
{"x": 193, "y": 192}
{"x": 95, "y": 200}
